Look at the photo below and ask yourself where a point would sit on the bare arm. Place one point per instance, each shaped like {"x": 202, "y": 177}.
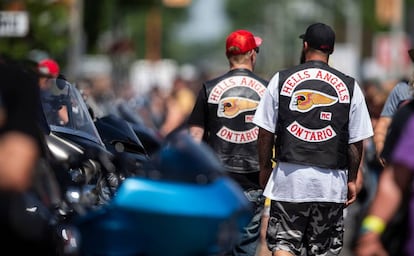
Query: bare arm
{"x": 380, "y": 133}
{"x": 360, "y": 178}
{"x": 175, "y": 116}
{"x": 265, "y": 144}
{"x": 403, "y": 178}
{"x": 355, "y": 151}
{"x": 196, "y": 132}
{"x": 388, "y": 193}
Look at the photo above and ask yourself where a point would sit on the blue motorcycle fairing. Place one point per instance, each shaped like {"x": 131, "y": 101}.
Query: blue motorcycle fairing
{"x": 183, "y": 205}
{"x": 149, "y": 217}
{"x": 218, "y": 199}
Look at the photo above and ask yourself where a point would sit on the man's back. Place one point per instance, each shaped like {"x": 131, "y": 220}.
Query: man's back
{"x": 231, "y": 103}
{"x": 319, "y": 118}
{"x": 222, "y": 118}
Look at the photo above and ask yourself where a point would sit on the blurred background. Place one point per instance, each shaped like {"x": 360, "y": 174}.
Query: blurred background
{"x": 146, "y": 43}
{"x": 151, "y": 56}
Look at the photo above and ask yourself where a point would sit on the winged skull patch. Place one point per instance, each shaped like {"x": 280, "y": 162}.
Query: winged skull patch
{"x": 305, "y": 100}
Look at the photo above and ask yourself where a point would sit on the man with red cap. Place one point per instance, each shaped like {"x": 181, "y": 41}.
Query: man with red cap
{"x": 49, "y": 69}
{"x": 222, "y": 118}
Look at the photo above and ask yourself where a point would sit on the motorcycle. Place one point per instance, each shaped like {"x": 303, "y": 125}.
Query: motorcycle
{"x": 177, "y": 200}
{"x": 71, "y": 170}
{"x": 184, "y": 205}
{"x": 149, "y": 137}
{"x": 121, "y": 140}
{"x": 72, "y": 133}
{"x": 41, "y": 216}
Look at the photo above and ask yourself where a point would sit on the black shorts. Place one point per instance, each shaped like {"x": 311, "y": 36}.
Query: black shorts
{"x": 306, "y": 228}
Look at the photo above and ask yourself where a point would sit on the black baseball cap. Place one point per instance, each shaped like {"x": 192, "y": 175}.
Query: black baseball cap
{"x": 320, "y": 36}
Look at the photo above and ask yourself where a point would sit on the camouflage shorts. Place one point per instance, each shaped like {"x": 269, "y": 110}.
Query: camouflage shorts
{"x": 306, "y": 228}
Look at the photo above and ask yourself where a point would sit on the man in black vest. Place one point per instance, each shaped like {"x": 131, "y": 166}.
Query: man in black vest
{"x": 320, "y": 119}
{"x": 222, "y": 117}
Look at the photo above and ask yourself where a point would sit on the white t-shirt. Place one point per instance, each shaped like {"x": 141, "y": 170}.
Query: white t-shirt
{"x": 300, "y": 183}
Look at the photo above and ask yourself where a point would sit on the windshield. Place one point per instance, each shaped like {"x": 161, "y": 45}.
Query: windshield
{"x": 65, "y": 110}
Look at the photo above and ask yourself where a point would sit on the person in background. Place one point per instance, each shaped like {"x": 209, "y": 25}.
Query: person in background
{"x": 320, "y": 119}
{"x": 17, "y": 122}
{"x": 375, "y": 96}
{"x": 20, "y": 149}
{"x": 49, "y": 69}
{"x": 401, "y": 92}
{"x": 402, "y": 165}
{"x": 179, "y": 104}
{"x": 222, "y": 118}
{"x": 84, "y": 85}
{"x": 370, "y": 240}
{"x": 385, "y": 207}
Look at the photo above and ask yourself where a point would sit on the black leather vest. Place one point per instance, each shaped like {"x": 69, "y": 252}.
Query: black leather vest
{"x": 232, "y": 101}
{"x": 314, "y": 105}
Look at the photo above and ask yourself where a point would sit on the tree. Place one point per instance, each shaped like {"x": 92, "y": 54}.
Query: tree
{"x": 48, "y": 30}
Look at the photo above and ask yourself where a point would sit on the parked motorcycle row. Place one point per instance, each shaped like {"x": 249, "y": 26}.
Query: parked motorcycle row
{"x": 103, "y": 188}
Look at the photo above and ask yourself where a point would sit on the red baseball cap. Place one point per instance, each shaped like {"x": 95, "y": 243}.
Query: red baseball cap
{"x": 49, "y": 68}
{"x": 241, "y": 41}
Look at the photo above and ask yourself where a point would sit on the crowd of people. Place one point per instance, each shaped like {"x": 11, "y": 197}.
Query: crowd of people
{"x": 305, "y": 145}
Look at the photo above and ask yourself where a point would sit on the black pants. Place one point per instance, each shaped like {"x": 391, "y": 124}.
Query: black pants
{"x": 23, "y": 232}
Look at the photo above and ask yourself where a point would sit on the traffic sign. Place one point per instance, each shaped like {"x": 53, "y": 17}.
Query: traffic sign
{"x": 14, "y": 23}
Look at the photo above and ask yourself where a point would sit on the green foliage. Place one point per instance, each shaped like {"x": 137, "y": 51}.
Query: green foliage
{"x": 127, "y": 4}
{"x": 49, "y": 26}
{"x": 98, "y": 17}
{"x": 134, "y": 23}
{"x": 171, "y": 47}
{"x": 48, "y": 30}
{"x": 245, "y": 13}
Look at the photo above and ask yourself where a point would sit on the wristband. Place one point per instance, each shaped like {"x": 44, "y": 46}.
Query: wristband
{"x": 374, "y": 224}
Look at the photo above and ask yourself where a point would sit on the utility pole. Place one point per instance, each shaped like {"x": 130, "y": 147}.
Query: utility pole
{"x": 397, "y": 37}
{"x": 154, "y": 27}
{"x": 75, "y": 36}
{"x": 391, "y": 13}
{"x": 153, "y": 33}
